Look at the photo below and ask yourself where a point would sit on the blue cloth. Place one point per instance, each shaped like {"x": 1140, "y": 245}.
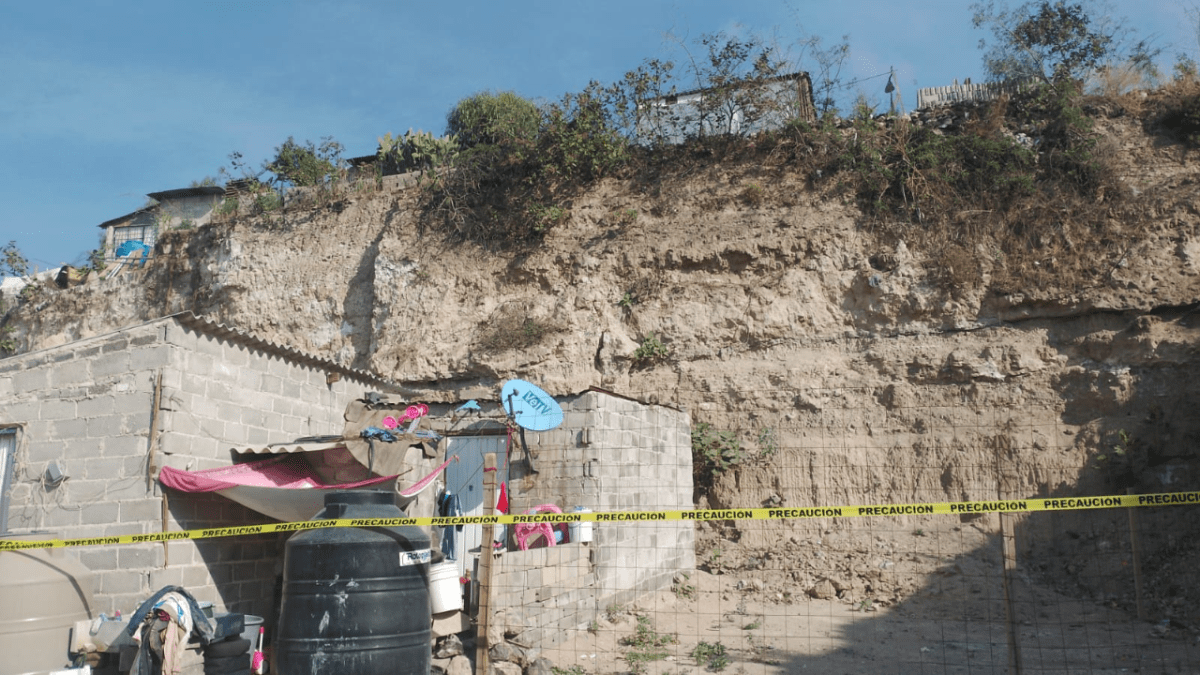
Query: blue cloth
{"x": 382, "y": 434}
{"x": 449, "y": 507}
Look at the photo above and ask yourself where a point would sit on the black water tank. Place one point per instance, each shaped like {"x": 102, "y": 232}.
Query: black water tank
{"x": 355, "y": 600}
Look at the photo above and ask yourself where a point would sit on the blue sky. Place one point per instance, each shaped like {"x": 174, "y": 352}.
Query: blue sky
{"x": 102, "y": 102}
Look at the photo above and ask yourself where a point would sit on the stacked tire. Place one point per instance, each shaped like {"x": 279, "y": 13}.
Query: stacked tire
{"x": 230, "y": 656}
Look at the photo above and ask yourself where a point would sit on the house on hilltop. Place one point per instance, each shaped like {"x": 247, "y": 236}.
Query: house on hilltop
{"x": 742, "y": 109}
{"x": 172, "y": 208}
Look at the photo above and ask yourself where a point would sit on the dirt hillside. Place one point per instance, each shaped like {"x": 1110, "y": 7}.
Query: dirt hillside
{"x": 846, "y": 366}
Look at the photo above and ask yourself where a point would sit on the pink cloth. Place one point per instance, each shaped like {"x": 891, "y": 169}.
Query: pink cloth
{"x": 286, "y": 471}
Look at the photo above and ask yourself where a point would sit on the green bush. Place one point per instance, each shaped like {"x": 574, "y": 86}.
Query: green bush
{"x": 494, "y": 118}
{"x": 306, "y": 165}
{"x": 578, "y": 139}
{"x": 651, "y": 350}
{"x": 713, "y": 453}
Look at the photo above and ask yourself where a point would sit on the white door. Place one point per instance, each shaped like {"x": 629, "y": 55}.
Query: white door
{"x": 465, "y": 479}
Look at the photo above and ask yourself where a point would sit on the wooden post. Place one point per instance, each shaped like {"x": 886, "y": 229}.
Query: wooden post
{"x": 1137, "y": 560}
{"x": 151, "y": 468}
{"x": 1009, "y": 552}
{"x": 486, "y": 552}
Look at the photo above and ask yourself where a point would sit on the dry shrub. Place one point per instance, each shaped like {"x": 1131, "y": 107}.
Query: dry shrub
{"x": 1118, "y": 79}
{"x": 514, "y": 326}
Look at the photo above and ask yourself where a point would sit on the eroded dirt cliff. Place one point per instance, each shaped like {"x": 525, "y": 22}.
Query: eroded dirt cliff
{"x": 847, "y": 367}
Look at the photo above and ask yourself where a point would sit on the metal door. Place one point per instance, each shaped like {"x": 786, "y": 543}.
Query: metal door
{"x": 465, "y": 479}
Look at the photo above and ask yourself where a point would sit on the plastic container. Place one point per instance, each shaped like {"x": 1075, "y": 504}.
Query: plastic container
{"x": 445, "y": 592}
{"x": 355, "y": 600}
{"x": 44, "y": 593}
{"x": 250, "y": 629}
{"x": 582, "y": 531}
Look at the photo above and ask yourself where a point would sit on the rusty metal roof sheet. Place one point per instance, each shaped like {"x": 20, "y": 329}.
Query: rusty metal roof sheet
{"x": 210, "y": 190}
{"x": 127, "y": 216}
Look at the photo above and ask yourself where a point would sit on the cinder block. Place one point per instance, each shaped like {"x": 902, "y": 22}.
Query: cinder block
{"x": 151, "y": 358}
{"x": 69, "y": 429}
{"x": 136, "y": 402}
{"x": 124, "y": 447}
{"x": 129, "y": 489}
{"x": 196, "y": 577}
{"x": 133, "y": 557}
{"x": 121, "y": 581}
{"x": 256, "y": 437}
{"x": 106, "y": 426}
{"x": 147, "y": 510}
{"x": 169, "y": 576}
{"x": 181, "y": 554}
{"x": 193, "y": 383}
{"x": 34, "y": 380}
{"x": 103, "y": 368}
{"x": 41, "y": 452}
{"x": 212, "y": 428}
{"x": 292, "y": 389}
{"x": 219, "y": 392}
{"x": 60, "y": 518}
{"x": 99, "y": 559}
{"x": 171, "y": 443}
{"x": 58, "y": 410}
{"x": 104, "y": 513}
{"x": 272, "y": 384}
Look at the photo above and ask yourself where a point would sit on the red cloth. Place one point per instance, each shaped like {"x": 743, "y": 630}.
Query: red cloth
{"x": 502, "y": 502}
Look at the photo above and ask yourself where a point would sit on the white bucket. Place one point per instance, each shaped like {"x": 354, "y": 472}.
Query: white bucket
{"x": 582, "y": 531}
{"x": 445, "y": 593}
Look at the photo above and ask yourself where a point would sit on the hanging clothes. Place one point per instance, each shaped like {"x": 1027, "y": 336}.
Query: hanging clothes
{"x": 449, "y": 507}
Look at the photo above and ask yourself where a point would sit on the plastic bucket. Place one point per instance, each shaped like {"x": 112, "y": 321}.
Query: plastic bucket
{"x": 445, "y": 592}
{"x": 250, "y": 631}
{"x": 582, "y": 531}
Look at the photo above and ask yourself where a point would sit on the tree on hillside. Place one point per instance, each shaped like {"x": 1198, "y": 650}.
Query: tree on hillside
{"x": 308, "y": 164}
{"x": 1055, "y": 42}
{"x": 12, "y": 262}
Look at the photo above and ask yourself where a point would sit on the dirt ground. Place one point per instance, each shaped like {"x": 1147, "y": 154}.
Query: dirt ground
{"x": 953, "y": 622}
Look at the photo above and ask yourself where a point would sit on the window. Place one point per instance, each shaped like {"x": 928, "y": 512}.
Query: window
{"x": 8, "y": 452}
{"x": 142, "y": 233}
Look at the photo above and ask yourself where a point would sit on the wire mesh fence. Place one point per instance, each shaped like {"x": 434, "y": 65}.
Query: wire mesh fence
{"x": 1090, "y": 588}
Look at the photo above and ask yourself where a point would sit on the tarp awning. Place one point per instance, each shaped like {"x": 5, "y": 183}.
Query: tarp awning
{"x": 286, "y": 488}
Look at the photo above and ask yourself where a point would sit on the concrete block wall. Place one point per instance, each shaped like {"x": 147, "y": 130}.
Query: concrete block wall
{"x": 220, "y": 396}
{"x": 544, "y": 592}
{"x": 616, "y": 454}
{"x": 644, "y": 463}
{"x": 88, "y": 406}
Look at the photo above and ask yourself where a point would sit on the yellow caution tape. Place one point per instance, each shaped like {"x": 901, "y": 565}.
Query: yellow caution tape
{"x": 1001, "y": 506}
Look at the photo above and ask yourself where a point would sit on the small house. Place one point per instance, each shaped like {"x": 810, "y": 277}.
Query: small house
{"x": 185, "y": 207}
{"x": 744, "y": 109}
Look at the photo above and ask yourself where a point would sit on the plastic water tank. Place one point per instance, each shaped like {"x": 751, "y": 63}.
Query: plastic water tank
{"x": 355, "y": 600}
{"x": 44, "y": 593}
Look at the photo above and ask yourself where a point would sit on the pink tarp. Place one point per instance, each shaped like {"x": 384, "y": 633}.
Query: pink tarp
{"x": 286, "y": 488}
{"x": 285, "y": 471}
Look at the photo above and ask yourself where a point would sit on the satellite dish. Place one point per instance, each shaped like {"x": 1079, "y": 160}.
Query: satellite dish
{"x": 529, "y": 406}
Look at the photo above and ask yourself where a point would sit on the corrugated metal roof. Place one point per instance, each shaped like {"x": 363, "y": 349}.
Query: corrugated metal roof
{"x": 220, "y": 330}
{"x": 284, "y": 448}
{"x": 127, "y": 216}
{"x": 210, "y": 190}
